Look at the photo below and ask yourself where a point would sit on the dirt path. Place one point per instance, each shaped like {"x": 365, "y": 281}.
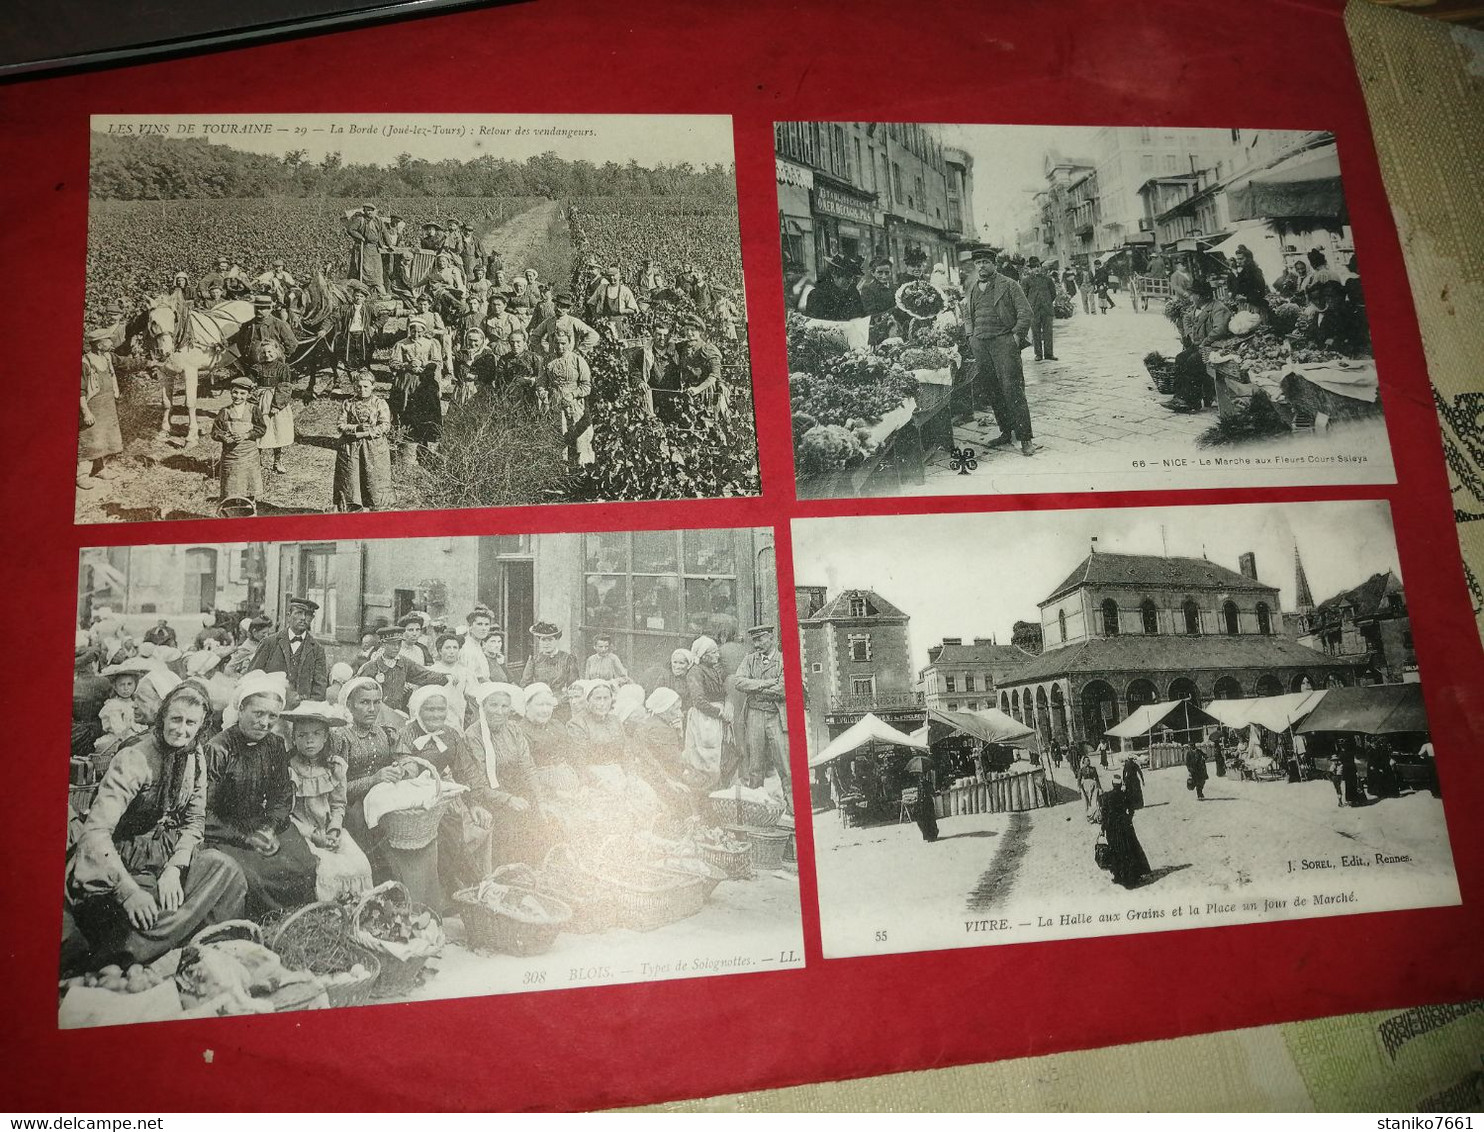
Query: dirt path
{"x": 158, "y": 478}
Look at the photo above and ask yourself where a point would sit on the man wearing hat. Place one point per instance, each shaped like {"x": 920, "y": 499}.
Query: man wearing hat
{"x": 367, "y": 241}
{"x": 160, "y": 634}
{"x": 471, "y": 252}
{"x": 1040, "y": 292}
{"x": 351, "y": 335}
{"x": 264, "y": 327}
{"x": 835, "y": 297}
{"x": 216, "y": 278}
{"x": 879, "y": 293}
{"x": 396, "y": 669}
{"x": 549, "y": 664}
{"x": 293, "y": 650}
{"x": 277, "y": 281}
{"x": 764, "y": 725}
{"x": 240, "y": 662}
{"x": 584, "y": 337}
{"x": 997, "y": 317}
{"x": 432, "y": 237}
{"x": 697, "y": 362}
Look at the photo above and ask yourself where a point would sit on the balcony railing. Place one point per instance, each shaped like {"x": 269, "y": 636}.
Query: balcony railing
{"x": 862, "y": 702}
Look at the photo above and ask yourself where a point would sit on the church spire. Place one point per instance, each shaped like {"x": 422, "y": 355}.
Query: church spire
{"x": 1303, "y": 597}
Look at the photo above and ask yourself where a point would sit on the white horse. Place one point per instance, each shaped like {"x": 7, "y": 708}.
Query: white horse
{"x": 184, "y": 352}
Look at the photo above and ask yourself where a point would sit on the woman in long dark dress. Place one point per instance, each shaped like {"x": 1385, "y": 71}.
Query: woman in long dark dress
{"x": 924, "y": 812}
{"x": 250, "y": 801}
{"x": 494, "y": 761}
{"x": 1128, "y": 860}
{"x": 1133, "y": 783}
{"x": 139, "y": 881}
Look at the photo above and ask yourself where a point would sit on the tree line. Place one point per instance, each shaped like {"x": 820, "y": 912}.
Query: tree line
{"x": 166, "y": 168}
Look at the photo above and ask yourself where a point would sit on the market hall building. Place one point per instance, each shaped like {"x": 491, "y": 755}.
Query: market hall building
{"x": 1125, "y": 630}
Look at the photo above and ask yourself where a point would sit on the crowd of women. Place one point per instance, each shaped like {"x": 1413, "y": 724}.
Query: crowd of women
{"x": 209, "y": 792}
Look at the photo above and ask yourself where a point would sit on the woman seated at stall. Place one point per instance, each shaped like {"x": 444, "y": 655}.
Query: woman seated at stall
{"x": 366, "y": 746}
{"x": 550, "y": 742}
{"x": 674, "y": 678}
{"x": 603, "y": 747}
{"x": 659, "y": 753}
{"x": 494, "y": 762}
{"x": 250, "y": 799}
{"x": 139, "y": 881}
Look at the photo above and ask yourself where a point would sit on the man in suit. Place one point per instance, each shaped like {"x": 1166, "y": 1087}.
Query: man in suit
{"x": 1040, "y": 292}
{"x": 293, "y": 650}
{"x": 997, "y": 316}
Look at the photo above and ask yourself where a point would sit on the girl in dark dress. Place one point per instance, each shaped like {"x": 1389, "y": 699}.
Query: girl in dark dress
{"x": 250, "y": 801}
{"x": 1129, "y": 862}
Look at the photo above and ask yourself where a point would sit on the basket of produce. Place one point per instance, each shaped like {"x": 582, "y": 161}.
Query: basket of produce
{"x": 316, "y": 938}
{"x": 732, "y": 855}
{"x": 510, "y": 920}
{"x": 82, "y": 786}
{"x": 402, "y": 935}
{"x": 415, "y": 828}
{"x": 743, "y": 807}
{"x": 686, "y": 866}
{"x": 769, "y": 843}
{"x": 645, "y": 898}
{"x": 1161, "y": 371}
{"x": 560, "y": 877}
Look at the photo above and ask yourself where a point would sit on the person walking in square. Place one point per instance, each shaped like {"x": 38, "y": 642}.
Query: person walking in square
{"x": 1195, "y": 767}
{"x": 998, "y": 317}
{"x": 1040, "y": 292}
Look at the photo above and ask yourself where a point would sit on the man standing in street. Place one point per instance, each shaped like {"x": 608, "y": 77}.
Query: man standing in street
{"x": 1040, "y": 292}
{"x": 879, "y": 297}
{"x": 998, "y": 316}
{"x": 294, "y": 651}
{"x": 764, "y": 726}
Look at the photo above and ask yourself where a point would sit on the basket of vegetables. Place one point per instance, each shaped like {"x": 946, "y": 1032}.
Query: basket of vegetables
{"x": 769, "y": 844}
{"x": 734, "y": 807}
{"x": 692, "y": 867}
{"x": 1161, "y": 371}
{"x": 560, "y": 877}
{"x": 731, "y": 855}
{"x": 401, "y": 934}
{"x": 510, "y": 920}
{"x": 316, "y": 938}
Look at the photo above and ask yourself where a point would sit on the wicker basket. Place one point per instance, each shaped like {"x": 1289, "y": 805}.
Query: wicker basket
{"x": 560, "y": 878}
{"x": 737, "y": 810}
{"x": 327, "y": 952}
{"x": 735, "y": 863}
{"x": 1162, "y": 373}
{"x": 646, "y": 898}
{"x": 415, "y": 829}
{"x": 768, "y": 844}
{"x": 229, "y": 929}
{"x": 236, "y": 507}
{"x": 497, "y": 929}
{"x": 398, "y": 976}
{"x": 709, "y": 879}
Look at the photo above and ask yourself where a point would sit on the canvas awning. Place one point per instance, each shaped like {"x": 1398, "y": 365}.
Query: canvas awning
{"x": 1381, "y": 709}
{"x": 867, "y": 729}
{"x": 1177, "y": 715}
{"x": 1306, "y": 184}
{"x": 1276, "y": 713}
{"x": 991, "y": 726}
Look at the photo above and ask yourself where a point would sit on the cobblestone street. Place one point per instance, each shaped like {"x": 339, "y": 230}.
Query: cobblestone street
{"x": 1095, "y": 411}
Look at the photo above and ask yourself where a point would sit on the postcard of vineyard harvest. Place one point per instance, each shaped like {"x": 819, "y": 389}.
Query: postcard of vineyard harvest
{"x": 978, "y": 309}
{"x": 311, "y": 313}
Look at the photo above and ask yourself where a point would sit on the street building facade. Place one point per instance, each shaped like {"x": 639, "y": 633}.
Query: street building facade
{"x": 1370, "y": 623}
{"x": 963, "y": 677}
{"x": 140, "y": 585}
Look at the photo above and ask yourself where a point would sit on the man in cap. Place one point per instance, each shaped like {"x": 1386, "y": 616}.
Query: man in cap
{"x": 494, "y": 265}
{"x": 276, "y": 281}
{"x": 471, "y": 252}
{"x": 351, "y": 336}
{"x": 997, "y": 316}
{"x": 293, "y": 650}
{"x": 216, "y": 278}
{"x": 697, "y": 361}
{"x": 161, "y": 634}
{"x": 584, "y": 337}
{"x": 395, "y": 669}
{"x": 1040, "y": 292}
{"x": 835, "y": 297}
{"x": 591, "y": 280}
{"x": 265, "y": 327}
{"x": 367, "y": 241}
{"x": 764, "y": 726}
{"x": 550, "y": 664}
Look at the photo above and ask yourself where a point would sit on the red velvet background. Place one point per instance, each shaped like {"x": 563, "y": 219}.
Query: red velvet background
{"x": 1274, "y": 63}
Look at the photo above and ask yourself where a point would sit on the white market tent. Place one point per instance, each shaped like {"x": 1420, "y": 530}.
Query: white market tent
{"x": 989, "y": 726}
{"x": 1276, "y": 713}
{"x": 1178, "y": 715}
{"x": 867, "y": 729}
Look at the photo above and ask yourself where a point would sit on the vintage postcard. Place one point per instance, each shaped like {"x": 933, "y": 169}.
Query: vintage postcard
{"x": 1076, "y": 723}
{"x": 319, "y": 774}
{"x": 308, "y": 313}
{"x": 1008, "y": 309}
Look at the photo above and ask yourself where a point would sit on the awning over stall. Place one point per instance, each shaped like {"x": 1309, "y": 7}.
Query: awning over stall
{"x": 867, "y": 729}
{"x": 1306, "y": 184}
{"x": 1381, "y": 709}
{"x": 1276, "y": 713}
{"x": 1177, "y": 715}
{"x": 991, "y": 726}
